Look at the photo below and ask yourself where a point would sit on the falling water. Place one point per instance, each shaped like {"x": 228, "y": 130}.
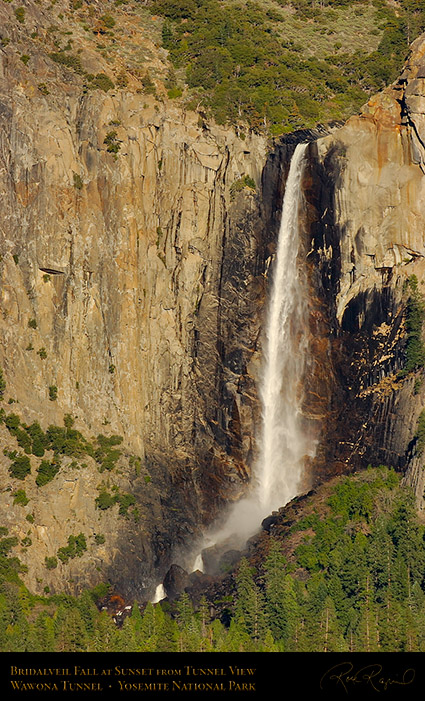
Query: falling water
{"x": 283, "y": 445}
{"x": 159, "y": 594}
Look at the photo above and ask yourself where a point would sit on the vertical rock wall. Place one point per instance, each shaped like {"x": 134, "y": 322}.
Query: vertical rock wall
{"x": 132, "y": 281}
{"x": 365, "y": 193}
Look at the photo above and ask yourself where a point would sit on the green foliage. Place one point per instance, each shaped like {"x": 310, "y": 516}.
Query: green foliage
{"x": 174, "y": 93}
{"x": 352, "y": 500}
{"x": 20, "y": 497}
{"x": 148, "y": 85}
{"x": 101, "y": 81}
{"x": 105, "y": 454}
{"x": 12, "y": 422}
{"x": 108, "y": 21}
{"x": 415, "y": 315}
{"x": 68, "y": 60}
{"x": 42, "y": 353}
{"x": 78, "y": 181}
{"x": 53, "y": 393}
{"x": 112, "y": 142}
{"x": 361, "y": 587}
{"x": 2, "y": 384}
{"x": 46, "y": 472}
{"x": 20, "y": 14}
{"x": 32, "y": 323}
{"x": 249, "y": 610}
{"x": 20, "y": 467}
{"x": 243, "y": 62}
{"x": 75, "y": 548}
{"x": 6, "y": 545}
{"x": 125, "y": 501}
{"x": 67, "y": 441}
{"x": 105, "y": 500}
{"x": 25, "y": 58}
{"x": 241, "y": 184}
{"x": 38, "y": 438}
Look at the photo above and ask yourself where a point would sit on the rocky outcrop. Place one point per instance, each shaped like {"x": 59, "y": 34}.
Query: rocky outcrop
{"x": 132, "y": 261}
{"x": 365, "y": 190}
{"x": 135, "y": 245}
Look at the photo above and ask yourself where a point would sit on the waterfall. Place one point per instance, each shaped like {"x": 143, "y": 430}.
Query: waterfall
{"x": 159, "y": 594}
{"x": 283, "y": 444}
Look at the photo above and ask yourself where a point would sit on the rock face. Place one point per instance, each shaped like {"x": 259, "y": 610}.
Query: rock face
{"x": 149, "y": 314}
{"x": 364, "y": 193}
{"x": 134, "y": 258}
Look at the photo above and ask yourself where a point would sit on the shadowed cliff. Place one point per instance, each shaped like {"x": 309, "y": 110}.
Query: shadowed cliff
{"x": 135, "y": 245}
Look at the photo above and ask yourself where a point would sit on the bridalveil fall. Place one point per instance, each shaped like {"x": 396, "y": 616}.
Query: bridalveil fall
{"x": 283, "y": 444}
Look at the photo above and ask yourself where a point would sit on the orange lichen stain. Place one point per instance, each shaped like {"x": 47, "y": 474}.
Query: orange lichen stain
{"x": 382, "y": 152}
{"x": 25, "y": 192}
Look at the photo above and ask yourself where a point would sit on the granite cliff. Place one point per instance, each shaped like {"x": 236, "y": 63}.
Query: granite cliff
{"x": 132, "y": 270}
{"x": 135, "y": 244}
{"x": 366, "y": 251}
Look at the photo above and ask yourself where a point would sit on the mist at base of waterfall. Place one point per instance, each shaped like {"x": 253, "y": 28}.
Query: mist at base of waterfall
{"x": 283, "y": 442}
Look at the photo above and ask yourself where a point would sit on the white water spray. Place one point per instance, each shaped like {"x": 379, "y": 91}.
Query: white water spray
{"x": 159, "y": 594}
{"x": 283, "y": 444}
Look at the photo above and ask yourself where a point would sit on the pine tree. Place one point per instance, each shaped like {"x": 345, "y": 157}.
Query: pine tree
{"x": 106, "y": 636}
{"x": 380, "y": 558}
{"x": 189, "y": 637}
{"x": 136, "y": 626}
{"x": 4, "y": 622}
{"x": 250, "y": 603}
{"x": 88, "y": 610}
{"x": 166, "y": 632}
{"x": 269, "y": 645}
{"x": 219, "y": 636}
{"x": 206, "y": 637}
{"x": 317, "y": 595}
{"x": 331, "y": 638}
{"x": 366, "y": 638}
{"x": 274, "y": 574}
{"x": 408, "y": 539}
{"x": 70, "y": 631}
{"x": 127, "y": 637}
{"x": 17, "y": 635}
{"x": 238, "y": 639}
{"x": 146, "y": 635}
{"x": 292, "y": 613}
{"x": 42, "y": 634}
{"x": 352, "y": 622}
{"x": 392, "y": 625}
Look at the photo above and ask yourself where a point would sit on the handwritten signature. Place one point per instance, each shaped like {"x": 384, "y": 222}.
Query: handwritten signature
{"x": 345, "y": 676}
